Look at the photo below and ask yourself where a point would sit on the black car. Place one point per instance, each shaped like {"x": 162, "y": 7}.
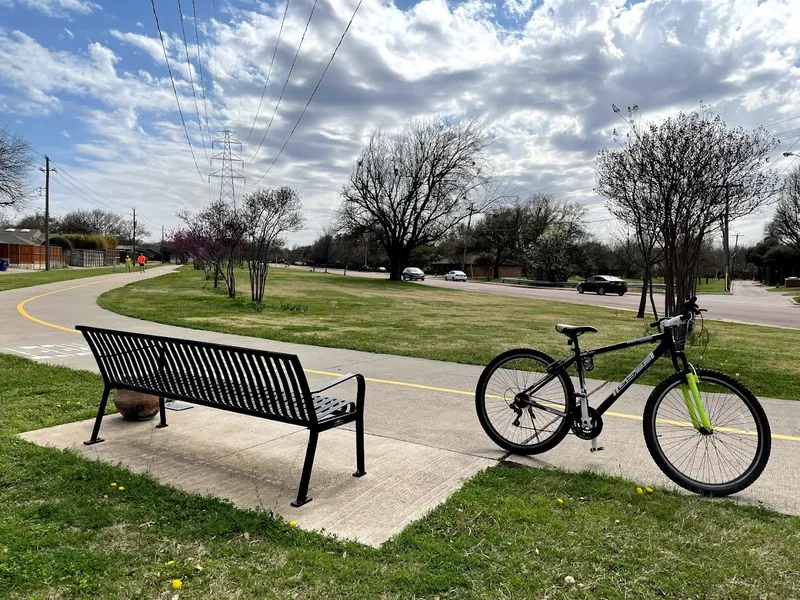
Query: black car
{"x": 603, "y": 284}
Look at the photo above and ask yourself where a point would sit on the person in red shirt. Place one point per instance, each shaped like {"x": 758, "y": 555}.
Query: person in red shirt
{"x": 142, "y": 263}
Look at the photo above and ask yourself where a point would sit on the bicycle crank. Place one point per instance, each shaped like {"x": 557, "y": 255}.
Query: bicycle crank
{"x": 591, "y": 431}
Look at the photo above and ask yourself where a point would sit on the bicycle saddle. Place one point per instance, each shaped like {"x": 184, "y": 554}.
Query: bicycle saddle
{"x": 574, "y": 329}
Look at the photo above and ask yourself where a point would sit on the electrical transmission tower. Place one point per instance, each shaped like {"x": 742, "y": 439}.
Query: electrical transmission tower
{"x": 230, "y": 165}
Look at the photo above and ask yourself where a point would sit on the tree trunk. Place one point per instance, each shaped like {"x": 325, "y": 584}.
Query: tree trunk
{"x": 643, "y": 299}
{"x": 653, "y": 300}
{"x": 395, "y": 266}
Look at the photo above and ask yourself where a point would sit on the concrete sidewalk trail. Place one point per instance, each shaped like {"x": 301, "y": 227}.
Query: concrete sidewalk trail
{"x": 423, "y": 438}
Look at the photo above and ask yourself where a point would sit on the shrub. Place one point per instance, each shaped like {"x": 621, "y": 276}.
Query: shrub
{"x": 61, "y": 242}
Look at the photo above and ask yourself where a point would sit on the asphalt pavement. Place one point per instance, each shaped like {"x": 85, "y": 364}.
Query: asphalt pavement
{"x": 748, "y": 303}
{"x": 420, "y": 414}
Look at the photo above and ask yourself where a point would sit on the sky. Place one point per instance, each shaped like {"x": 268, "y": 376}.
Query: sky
{"x": 86, "y": 82}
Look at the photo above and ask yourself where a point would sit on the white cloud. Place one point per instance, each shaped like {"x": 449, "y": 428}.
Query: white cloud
{"x": 65, "y": 133}
{"x": 544, "y": 89}
{"x": 69, "y": 33}
{"x": 56, "y": 8}
{"x": 139, "y": 24}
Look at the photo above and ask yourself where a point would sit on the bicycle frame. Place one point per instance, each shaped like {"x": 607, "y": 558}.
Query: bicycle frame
{"x": 666, "y": 345}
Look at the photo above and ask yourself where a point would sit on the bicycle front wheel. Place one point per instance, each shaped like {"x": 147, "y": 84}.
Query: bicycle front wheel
{"x": 722, "y": 461}
{"x": 521, "y": 407}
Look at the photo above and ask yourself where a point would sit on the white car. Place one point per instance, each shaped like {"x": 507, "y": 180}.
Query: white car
{"x": 456, "y": 276}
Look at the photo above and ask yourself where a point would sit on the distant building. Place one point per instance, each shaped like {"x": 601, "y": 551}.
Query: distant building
{"x": 24, "y": 237}
{"x": 445, "y": 265}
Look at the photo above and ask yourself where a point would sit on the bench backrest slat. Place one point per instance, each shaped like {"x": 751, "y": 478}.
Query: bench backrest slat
{"x": 253, "y": 381}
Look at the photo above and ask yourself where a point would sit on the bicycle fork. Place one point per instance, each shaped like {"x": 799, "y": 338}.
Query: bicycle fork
{"x": 694, "y": 404}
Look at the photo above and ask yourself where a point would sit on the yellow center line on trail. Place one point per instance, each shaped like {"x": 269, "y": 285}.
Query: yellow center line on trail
{"x": 418, "y": 386}
{"x": 24, "y": 313}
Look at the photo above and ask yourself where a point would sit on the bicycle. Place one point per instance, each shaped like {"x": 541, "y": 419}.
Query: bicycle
{"x": 527, "y": 404}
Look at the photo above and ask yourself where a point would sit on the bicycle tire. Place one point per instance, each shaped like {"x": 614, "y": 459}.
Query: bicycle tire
{"x": 761, "y": 449}
{"x": 482, "y": 410}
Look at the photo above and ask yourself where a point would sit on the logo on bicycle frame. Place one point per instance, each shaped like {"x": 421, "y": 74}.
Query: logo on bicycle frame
{"x": 633, "y": 374}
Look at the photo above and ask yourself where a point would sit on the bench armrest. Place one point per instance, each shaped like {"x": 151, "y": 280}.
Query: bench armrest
{"x": 338, "y": 380}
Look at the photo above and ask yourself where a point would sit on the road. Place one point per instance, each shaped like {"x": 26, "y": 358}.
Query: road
{"x": 417, "y": 410}
{"x": 749, "y": 303}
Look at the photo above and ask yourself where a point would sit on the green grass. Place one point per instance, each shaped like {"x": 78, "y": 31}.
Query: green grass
{"x": 21, "y": 280}
{"x": 468, "y": 327}
{"x": 65, "y": 532}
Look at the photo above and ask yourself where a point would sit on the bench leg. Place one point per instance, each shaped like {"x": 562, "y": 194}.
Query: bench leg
{"x": 162, "y": 411}
{"x": 360, "y": 468}
{"x": 100, "y": 412}
{"x": 311, "y": 450}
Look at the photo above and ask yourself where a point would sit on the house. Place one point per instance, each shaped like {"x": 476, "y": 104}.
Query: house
{"x": 23, "y": 237}
{"x": 23, "y": 249}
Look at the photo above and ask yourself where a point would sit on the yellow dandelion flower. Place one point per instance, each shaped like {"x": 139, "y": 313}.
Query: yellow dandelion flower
{"x": 113, "y": 484}
{"x": 649, "y": 490}
{"x": 58, "y": 406}
{"x": 292, "y": 523}
{"x": 170, "y": 562}
{"x": 639, "y": 490}
{"x": 560, "y": 501}
{"x": 121, "y": 488}
{"x": 177, "y": 584}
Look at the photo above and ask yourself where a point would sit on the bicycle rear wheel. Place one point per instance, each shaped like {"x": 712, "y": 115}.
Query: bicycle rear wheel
{"x": 724, "y": 461}
{"x": 520, "y": 422}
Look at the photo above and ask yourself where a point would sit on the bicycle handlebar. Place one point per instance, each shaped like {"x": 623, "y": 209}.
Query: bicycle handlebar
{"x": 690, "y": 309}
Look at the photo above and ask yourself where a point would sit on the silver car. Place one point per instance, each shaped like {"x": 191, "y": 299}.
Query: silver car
{"x": 456, "y": 276}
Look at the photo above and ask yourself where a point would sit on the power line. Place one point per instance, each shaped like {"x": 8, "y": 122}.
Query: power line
{"x": 200, "y": 65}
{"x": 285, "y": 84}
{"x": 269, "y": 72}
{"x": 191, "y": 79}
{"x": 310, "y": 98}
{"x": 783, "y": 121}
{"x": 175, "y": 89}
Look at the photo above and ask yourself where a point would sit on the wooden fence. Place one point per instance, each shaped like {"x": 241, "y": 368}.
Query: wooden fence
{"x": 32, "y": 257}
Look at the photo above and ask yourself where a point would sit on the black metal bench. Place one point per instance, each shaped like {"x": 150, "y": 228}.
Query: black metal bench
{"x": 263, "y": 384}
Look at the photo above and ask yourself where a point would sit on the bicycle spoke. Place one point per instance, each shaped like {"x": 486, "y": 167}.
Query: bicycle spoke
{"x": 715, "y": 458}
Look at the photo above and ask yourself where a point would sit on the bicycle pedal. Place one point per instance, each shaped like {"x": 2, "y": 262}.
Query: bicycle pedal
{"x": 598, "y": 449}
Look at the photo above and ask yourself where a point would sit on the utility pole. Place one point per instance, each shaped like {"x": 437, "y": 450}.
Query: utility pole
{"x": 725, "y": 231}
{"x": 46, "y": 171}
{"x": 466, "y": 235}
{"x": 133, "y": 236}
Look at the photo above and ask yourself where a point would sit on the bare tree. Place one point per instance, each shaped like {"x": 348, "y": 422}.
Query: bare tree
{"x": 36, "y": 221}
{"x": 414, "y": 187}
{"x": 786, "y": 222}
{"x": 499, "y": 234}
{"x": 216, "y": 235}
{"x": 687, "y": 174}
{"x": 15, "y": 165}
{"x": 322, "y": 250}
{"x": 268, "y": 214}
{"x": 542, "y": 213}
{"x": 347, "y": 250}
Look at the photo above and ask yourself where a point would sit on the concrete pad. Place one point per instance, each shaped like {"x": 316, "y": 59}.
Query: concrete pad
{"x": 256, "y": 464}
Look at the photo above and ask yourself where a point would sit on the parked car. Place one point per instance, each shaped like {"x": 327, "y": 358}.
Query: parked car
{"x": 364, "y": 269}
{"x": 413, "y": 274}
{"x": 380, "y": 270}
{"x": 456, "y": 276}
{"x": 603, "y": 284}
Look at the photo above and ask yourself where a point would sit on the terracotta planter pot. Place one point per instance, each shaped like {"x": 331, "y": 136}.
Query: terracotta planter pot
{"x": 135, "y": 406}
